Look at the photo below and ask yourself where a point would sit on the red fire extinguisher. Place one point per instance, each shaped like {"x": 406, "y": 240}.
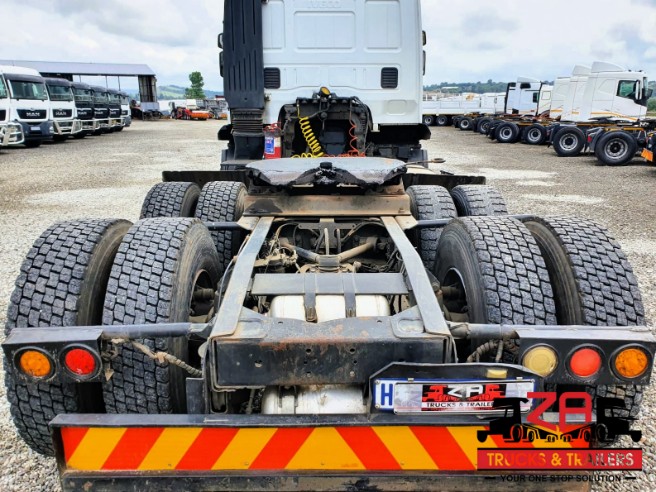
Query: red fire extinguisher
{"x": 272, "y": 142}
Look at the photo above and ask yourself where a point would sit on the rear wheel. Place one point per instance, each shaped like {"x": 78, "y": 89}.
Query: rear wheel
{"x": 593, "y": 284}
{"x": 428, "y": 120}
{"x": 569, "y": 141}
{"x": 507, "y": 132}
{"x": 171, "y": 199}
{"x": 465, "y": 124}
{"x": 442, "y": 120}
{"x": 223, "y": 201}
{"x": 616, "y": 148}
{"x": 62, "y": 283}
{"x": 487, "y": 287}
{"x": 430, "y": 203}
{"x": 160, "y": 274}
{"x": 478, "y": 200}
{"x": 535, "y": 134}
{"x": 484, "y": 126}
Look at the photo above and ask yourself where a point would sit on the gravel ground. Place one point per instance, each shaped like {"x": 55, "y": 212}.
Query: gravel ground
{"x": 108, "y": 176}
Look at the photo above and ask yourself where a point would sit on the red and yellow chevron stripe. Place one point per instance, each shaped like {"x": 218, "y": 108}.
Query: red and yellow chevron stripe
{"x": 413, "y": 448}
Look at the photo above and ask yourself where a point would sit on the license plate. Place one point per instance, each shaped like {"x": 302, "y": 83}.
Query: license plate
{"x": 648, "y": 154}
{"x": 35, "y": 128}
{"x": 447, "y": 397}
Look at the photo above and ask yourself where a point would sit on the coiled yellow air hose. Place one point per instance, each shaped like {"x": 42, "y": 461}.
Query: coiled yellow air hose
{"x": 310, "y": 138}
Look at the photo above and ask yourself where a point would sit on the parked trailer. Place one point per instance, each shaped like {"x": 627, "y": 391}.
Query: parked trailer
{"x": 64, "y": 109}
{"x": 28, "y": 104}
{"x": 441, "y": 112}
{"x": 278, "y": 328}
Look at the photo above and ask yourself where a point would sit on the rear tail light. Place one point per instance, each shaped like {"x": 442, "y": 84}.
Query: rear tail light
{"x": 35, "y": 364}
{"x": 585, "y": 362}
{"x": 81, "y": 362}
{"x": 631, "y": 362}
{"x": 542, "y": 360}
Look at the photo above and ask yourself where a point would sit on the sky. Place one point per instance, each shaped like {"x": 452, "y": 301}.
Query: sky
{"x": 468, "y": 41}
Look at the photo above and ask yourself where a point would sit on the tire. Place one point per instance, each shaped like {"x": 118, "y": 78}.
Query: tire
{"x": 616, "y": 148}
{"x": 569, "y": 141}
{"x": 465, "y": 124}
{"x": 593, "y": 285}
{"x": 62, "y": 283}
{"x": 535, "y": 134}
{"x": 428, "y": 120}
{"x": 507, "y": 132}
{"x": 223, "y": 201}
{"x": 442, "y": 120}
{"x": 515, "y": 433}
{"x": 471, "y": 253}
{"x": 484, "y": 126}
{"x": 471, "y": 200}
{"x": 171, "y": 199}
{"x": 152, "y": 281}
{"x": 429, "y": 203}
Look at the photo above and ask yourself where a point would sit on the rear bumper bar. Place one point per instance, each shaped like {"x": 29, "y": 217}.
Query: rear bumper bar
{"x": 237, "y": 452}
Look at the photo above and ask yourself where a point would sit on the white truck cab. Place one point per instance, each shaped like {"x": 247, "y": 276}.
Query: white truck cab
{"x": 523, "y": 96}
{"x": 126, "y": 116}
{"x": 64, "y": 111}
{"x": 577, "y": 84}
{"x": 614, "y": 92}
{"x": 10, "y": 133}
{"x": 319, "y": 71}
{"x": 559, "y": 96}
{"x": 29, "y": 104}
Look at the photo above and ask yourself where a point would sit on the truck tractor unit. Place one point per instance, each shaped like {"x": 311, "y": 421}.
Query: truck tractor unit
{"x": 611, "y": 96}
{"x": 116, "y": 119}
{"x": 126, "y": 115}
{"x": 64, "y": 111}
{"x": 338, "y": 318}
{"x": 28, "y": 104}
{"x": 84, "y": 105}
{"x": 11, "y": 133}
{"x": 100, "y": 110}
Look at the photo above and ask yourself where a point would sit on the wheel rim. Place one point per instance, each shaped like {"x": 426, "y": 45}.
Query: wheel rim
{"x": 505, "y": 133}
{"x": 441, "y": 120}
{"x": 455, "y": 298}
{"x": 533, "y": 135}
{"x": 485, "y": 127}
{"x": 464, "y": 124}
{"x": 202, "y": 299}
{"x": 569, "y": 141}
{"x": 616, "y": 148}
{"x": 428, "y": 121}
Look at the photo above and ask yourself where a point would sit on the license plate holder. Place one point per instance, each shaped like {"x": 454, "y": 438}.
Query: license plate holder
{"x": 407, "y": 396}
{"x": 35, "y": 128}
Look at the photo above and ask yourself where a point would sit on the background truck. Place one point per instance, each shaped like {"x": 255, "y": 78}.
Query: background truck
{"x": 100, "y": 109}
{"x": 116, "y": 120}
{"x": 29, "y": 105}
{"x": 10, "y": 133}
{"x": 277, "y": 324}
{"x": 64, "y": 111}
{"x": 85, "y": 106}
{"x": 126, "y": 115}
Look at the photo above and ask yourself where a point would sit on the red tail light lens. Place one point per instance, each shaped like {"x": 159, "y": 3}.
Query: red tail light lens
{"x": 80, "y": 362}
{"x": 585, "y": 362}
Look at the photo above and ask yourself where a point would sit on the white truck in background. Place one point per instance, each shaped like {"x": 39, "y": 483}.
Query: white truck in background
{"x": 609, "y": 95}
{"x": 126, "y": 115}
{"x": 441, "y": 111}
{"x": 29, "y": 104}
{"x": 559, "y": 96}
{"x": 64, "y": 110}
{"x": 10, "y": 133}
